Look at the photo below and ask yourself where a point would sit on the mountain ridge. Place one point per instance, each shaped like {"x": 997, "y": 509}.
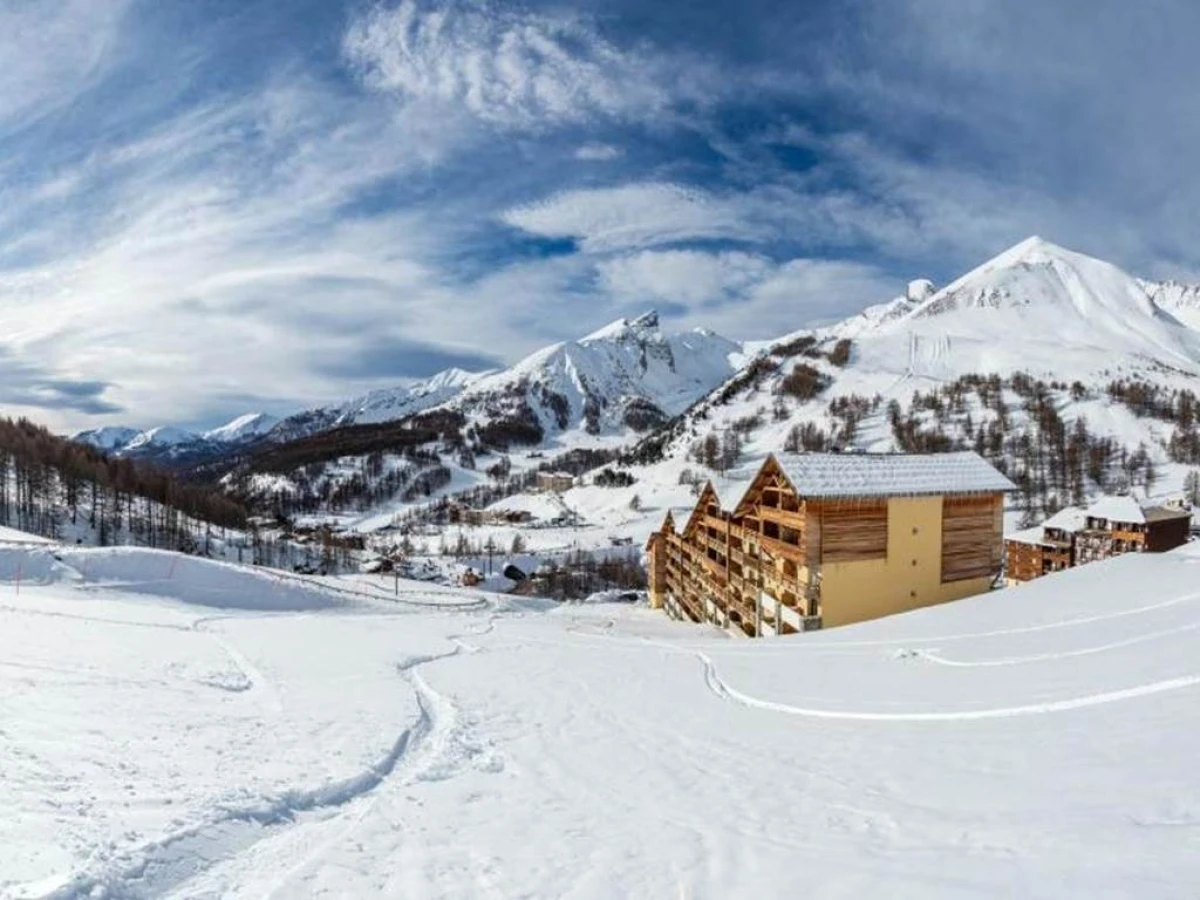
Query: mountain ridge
{"x": 1037, "y": 309}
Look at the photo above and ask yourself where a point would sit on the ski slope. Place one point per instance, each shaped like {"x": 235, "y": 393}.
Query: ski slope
{"x": 179, "y": 728}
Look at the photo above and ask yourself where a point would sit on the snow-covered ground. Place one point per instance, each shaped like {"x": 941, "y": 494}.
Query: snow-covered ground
{"x": 171, "y": 727}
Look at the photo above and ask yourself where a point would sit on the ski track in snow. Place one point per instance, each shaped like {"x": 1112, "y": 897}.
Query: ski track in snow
{"x": 934, "y": 657}
{"x": 167, "y": 865}
{"x": 834, "y": 646}
{"x": 725, "y": 691}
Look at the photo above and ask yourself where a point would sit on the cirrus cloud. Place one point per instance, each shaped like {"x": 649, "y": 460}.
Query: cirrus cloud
{"x": 510, "y": 66}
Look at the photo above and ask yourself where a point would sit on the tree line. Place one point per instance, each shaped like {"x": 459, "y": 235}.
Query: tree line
{"x": 49, "y": 485}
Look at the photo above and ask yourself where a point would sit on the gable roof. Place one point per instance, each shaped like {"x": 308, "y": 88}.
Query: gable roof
{"x": 890, "y": 474}
{"x": 667, "y": 527}
{"x": 708, "y": 493}
{"x": 766, "y": 472}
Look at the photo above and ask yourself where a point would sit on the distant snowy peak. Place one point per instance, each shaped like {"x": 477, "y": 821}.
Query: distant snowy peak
{"x": 166, "y": 436}
{"x": 1036, "y": 272}
{"x": 628, "y": 374}
{"x": 108, "y": 439}
{"x": 629, "y": 371}
{"x": 168, "y": 441}
{"x": 243, "y": 427}
{"x": 395, "y": 403}
{"x": 625, "y": 329}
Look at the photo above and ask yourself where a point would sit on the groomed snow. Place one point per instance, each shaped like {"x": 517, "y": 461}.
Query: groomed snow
{"x": 318, "y": 738}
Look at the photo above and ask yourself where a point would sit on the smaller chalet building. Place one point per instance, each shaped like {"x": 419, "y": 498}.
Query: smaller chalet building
{"x": 1107, "y": 528}
{"x": 826, "y": 539}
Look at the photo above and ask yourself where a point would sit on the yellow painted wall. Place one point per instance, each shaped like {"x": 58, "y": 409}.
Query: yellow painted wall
{"x": 857, "y": 591}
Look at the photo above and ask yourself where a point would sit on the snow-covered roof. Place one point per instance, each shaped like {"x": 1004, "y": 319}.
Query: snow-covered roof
{"x": 1117, "y": 509}
{"x": 889, "y": 474}
{"x": 1028, "y": 536}
{"x": 1162, "y": 513}
{"x": 1071, "y": 518}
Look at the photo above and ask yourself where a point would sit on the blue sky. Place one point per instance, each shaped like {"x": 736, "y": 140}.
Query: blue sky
{"x": 218, "y": 205}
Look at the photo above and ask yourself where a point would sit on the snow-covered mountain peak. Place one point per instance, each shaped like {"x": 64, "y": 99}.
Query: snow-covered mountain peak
{"x": 1036, "y": 272}
{"x": 641, "y": 327}
{"x": 245, "y": 426}
{"x": 450, "y": 378}
{"x": 627, "y": 374}
{"x": 108, "y": 438}
{"x": 164, "y": 436}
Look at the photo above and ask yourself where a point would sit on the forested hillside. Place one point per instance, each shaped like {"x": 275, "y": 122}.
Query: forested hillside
{"x": 66, "y": 490}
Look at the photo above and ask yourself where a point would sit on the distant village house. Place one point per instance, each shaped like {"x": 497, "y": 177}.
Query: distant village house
{"x": 464, "y": 515}
{"x": 555, "y": 482}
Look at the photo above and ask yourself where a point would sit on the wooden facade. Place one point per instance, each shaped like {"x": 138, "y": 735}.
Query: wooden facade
{"x": 780, "y": 562}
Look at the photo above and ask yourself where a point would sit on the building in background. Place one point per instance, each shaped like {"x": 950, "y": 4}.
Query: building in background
{"x": 1109, "y": 527}
{"x": 826, "y": 539}
{"x": 555, "y": 482}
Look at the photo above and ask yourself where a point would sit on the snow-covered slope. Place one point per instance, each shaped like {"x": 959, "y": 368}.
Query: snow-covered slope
{"x": 243, "y": 427}
{"x": 160, "y": 438}
{"x": 875, "y": 317}
{"x": 1179, "y": 300}
{"x": 383, "y": 405}
{"x": 1039, "y": 741}
{"x": 1038, "y": 310}
{"x": 110, "y": 438}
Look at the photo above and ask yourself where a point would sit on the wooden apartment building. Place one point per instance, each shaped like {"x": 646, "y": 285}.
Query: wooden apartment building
{"x": 826, "y": 539}
{"x": 1107, "y": 528}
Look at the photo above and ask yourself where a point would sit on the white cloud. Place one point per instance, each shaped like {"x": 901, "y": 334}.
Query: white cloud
{"x": 198, "y": 264}
{"x": 690, "y": 277}
{"x": 598, "y": 152}
{"x": 805, "y": 292}
{"x": 52, "y": 51}
{"x": 744, "y": 295}
{"x": 633, "y": 216}
{"x": 511, "y": 67}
